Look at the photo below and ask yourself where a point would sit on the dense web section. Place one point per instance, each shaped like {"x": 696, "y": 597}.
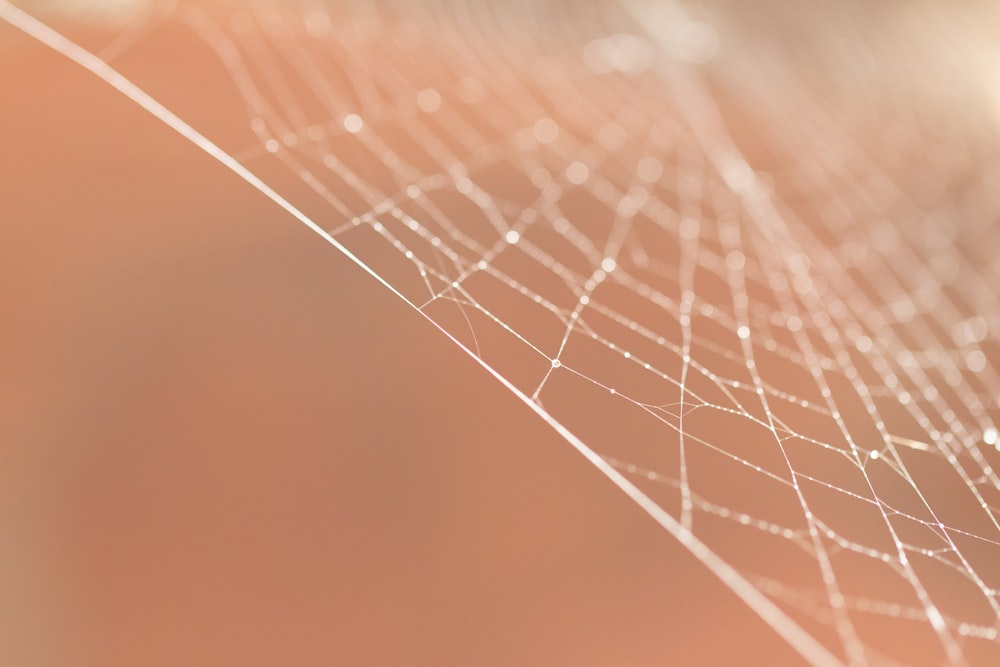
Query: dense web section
{"x": 753, "y": 269}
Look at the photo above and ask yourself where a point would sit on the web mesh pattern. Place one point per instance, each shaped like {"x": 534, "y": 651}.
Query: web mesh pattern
{"x": 767, "y": 297}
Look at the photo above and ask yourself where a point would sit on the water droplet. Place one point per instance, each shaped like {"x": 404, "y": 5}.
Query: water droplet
{"x": 577, "y": 173}
{"x": 429, "y": 100}
{"x": 545, "y": 131}
{"x": 353, "y": 123}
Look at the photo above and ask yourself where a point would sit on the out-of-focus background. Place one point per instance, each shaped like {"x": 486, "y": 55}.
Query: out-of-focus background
{"x": 221, "y": 443}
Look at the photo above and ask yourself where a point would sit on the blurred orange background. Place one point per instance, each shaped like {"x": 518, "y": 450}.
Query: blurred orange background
{"x": 223, "y": 444}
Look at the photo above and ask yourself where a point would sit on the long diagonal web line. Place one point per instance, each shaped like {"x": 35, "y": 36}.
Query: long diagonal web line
{"x": 770, "y": 328}
{"x": 786, "y": 627}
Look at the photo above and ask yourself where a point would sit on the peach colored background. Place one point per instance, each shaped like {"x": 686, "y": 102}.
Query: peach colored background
{"x": 222, "y": 444}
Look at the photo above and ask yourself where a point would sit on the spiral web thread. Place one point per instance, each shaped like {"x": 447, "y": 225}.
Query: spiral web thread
{"x": 770, "y": 307}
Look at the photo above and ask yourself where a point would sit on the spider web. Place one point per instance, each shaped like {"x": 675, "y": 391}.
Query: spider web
{"x": 745, "y": 263}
